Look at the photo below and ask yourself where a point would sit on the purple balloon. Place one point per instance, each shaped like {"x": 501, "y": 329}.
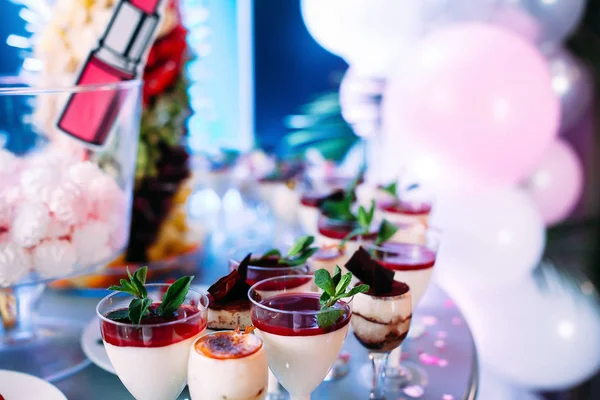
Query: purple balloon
{"x": 557, "y": 183}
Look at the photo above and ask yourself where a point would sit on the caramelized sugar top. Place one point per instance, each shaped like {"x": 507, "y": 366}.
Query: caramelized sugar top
{"x": 228, "y": 345}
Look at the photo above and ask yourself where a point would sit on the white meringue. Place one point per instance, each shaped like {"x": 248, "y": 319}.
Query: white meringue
{"x": 58, "y": 229}
{"x": 83, "y": 173}
{"x": 8, "y": 199}
{"x": 15, "y": 263}
{"x": 106, "y": 198}
{"x": 54, "y": 258}
{"x": 91, "y": 242}
{"x": 68, "y": 204}
{"x": 38, "y": 183}
{"x": 30, "y": 224}
{"x": 9, "y": 163}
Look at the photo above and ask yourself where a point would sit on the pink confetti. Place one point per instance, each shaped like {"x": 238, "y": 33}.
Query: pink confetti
{"x": 429, "y": 320}
{"x": 442, "y": 334}
{"x": 440, "y": 344}
{"x": 448, "y": 303}
{"x": 429, "y": 359}
{"x": 344, "y": 356}
{"x": 456, "y": 321}
{"x": 414, "y": 391}
{"x": 443, "y": 363}
{"x": 447, "y": 397}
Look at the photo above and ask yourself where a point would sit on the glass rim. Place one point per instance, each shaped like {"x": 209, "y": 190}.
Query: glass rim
{"x": 203, "y": 299}
{"x": 259, "y": 268}
{"x": 16, "y": 90}
{"x": 275, "y": 310}
{"x": 429, "y": 230}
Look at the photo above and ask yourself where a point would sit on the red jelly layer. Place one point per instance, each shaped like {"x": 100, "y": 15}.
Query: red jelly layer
{"x": 339, "y": 232}
{"x": 144, "y": 335}
{"x": 405, "y": 256}
{"x": 310, "y": 200}
{"x": 279, "y": 284}
{"x": 404, "y": 207}
{"x": 294, "y": 324}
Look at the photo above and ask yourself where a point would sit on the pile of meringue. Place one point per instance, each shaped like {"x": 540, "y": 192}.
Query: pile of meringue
{"x": 57, "y": 214}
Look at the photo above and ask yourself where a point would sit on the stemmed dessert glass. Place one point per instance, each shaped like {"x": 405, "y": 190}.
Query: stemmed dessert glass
{"x": 151, "y": 358}
{"x": 413, "y": 264}
{"x": 64, "y": 209}
{"x": 300, "y": 352}
{"x": 380, "y": 323}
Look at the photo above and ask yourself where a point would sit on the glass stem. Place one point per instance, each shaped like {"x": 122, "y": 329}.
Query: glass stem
{"x": 17, "y": 307}
{"x": 379, "y": 361}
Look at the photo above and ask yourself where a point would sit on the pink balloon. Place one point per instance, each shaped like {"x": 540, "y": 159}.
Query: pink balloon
{"x": 557, "y": 184}
{"x": 475, "y": 105}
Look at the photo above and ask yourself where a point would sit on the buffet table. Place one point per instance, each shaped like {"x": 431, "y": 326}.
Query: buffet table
{"x": 445, "y": 351}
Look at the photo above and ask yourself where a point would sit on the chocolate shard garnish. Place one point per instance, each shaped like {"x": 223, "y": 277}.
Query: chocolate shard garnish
{"x": 233, "y": 286}
{"x": 369, "y": 271}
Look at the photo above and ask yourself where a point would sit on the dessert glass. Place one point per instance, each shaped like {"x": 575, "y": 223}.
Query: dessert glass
{"x": 228, "y": 365}
{"x": 412, "y": 264}
{"x": 152, "y": 359}
{"x": 300, "y": 352}
{"x": 64, "y": 210}
{"x": 381, "y": 323}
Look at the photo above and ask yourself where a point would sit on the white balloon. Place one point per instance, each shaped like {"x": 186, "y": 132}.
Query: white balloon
{"x": 490, "y": 239}
{"x": 370, "y": 35}
{"x": 542, "y": 337}
{"x": 493, "y": 387}
{"x": 557, "y": 19}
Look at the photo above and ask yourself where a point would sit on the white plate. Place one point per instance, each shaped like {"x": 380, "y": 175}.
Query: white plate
{"x": 91, "y": 343}
{"x": 20, "y": 386}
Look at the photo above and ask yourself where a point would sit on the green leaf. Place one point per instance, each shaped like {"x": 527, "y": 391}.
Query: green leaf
{"x": 301, "y": 259}
{"x": 362, "y": 288}
{"x": 343, "y": 284}
{"x": 301, "y": 244}
{"x": 328, "y": 317}
{"x": 141, "y": 289}
{"x": 363, "y": 217}
{"x": 129, "y": 287}
{"x": 141, "y": 274}
{"x": 271, "y": 253}
{"x": 371, "y": 212}
{"x": 116, "y": 288}
{"x": 392, "y": 189}
{"x": 175, "y": 296}
{"x": 337, "y": 275}
{"x": 323, "y": 281}
{"x": 138, "y": 308}
{"x": 121, "y": 315}
{"x": 339, "y": 210}
{"x": 324, "y": 298}
{"x": 129, "y": 274}
{"x": 386, "y": 231}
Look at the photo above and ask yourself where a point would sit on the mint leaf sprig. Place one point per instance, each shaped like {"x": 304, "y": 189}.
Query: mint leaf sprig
{"x": 139, "y": 307}
{"x": 341, "y": 210}
{"x": 334, "y": 288}
{"x": 364, "y": 219}
{"x": 298, "y": 254}
{"x": 392, "y": 189}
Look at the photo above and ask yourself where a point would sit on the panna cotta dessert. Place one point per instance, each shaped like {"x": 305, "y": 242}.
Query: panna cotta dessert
{"x": 148, "y": 335}
{"x": 228, "y": 365}
{"x": 310, "y": 201}
{"x": 334, "y": 231}
{"x": 277, "y": 190}
{"x": 229, "y": 306}
{"x": 302, "y": 339}
{"x": 327, "y": 258}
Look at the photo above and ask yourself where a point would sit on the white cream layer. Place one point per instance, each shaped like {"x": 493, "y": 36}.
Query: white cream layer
{"x": 301, "y": 362}
{"x": 152, "y": 373}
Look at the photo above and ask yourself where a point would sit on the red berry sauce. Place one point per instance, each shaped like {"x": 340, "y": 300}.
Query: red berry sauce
{"x": 294, "y": 324}
{"x": 405, "y": 256}
{"x": 154, "y": 330}
{"x": 339, "y": 230}
{"x": 408, "y": 208}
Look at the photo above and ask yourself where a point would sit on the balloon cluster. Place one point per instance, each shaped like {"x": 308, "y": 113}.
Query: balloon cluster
{"x": 475, "y": 95}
